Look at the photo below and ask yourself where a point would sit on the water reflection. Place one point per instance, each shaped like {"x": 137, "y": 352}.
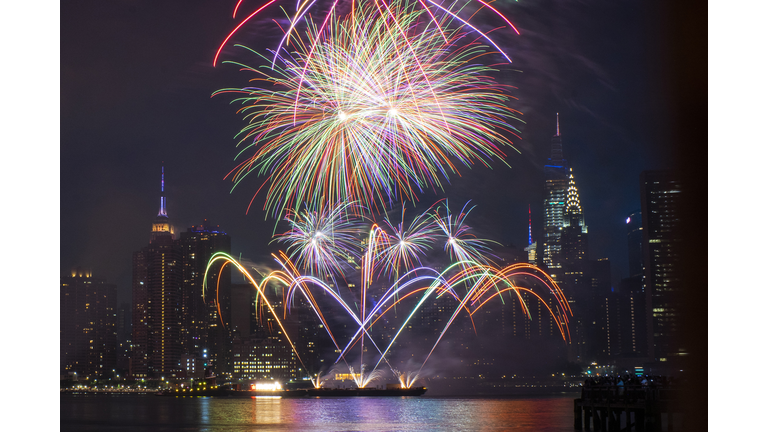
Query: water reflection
{"x": 548, "y": 414}
{"x": 267, "y": 410}
{"x": 205, "y": 410}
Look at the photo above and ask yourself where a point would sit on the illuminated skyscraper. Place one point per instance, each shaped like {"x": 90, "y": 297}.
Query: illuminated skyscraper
{"x": 556, "y": 186}
{"x": 531, "y": 249}
{"x": 171, "y": 318}
{"x": 660, "y": 203}
{"x": 577, "y": 274}
{"x": 157, "y": 293}
{"x": 585, "y": 283}
{"x": 574, "y": 232}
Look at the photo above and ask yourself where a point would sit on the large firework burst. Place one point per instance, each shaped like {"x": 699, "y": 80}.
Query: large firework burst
{"x": 323, "y": 242}
{"x": 374, "y": 110}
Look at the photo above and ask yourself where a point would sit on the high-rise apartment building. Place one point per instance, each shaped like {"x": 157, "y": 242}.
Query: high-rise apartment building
{"x": 660, "y": 204}
{"x": 87, "y": 329}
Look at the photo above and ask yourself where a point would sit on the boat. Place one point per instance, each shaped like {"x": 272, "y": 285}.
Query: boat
{"x": 390, "y": 391}
{"x": 313, "y": 392}
{"x": 229, "y": 392}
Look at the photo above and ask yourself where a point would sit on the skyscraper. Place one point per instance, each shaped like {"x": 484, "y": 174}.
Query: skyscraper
{"x": 88, "y": 326}
{"x": 157, "y": 293}
{"x": 660, "y": 204}
{"x": 171, "y": 318}
{"x": 576, "y": 272}
{"x": 202, "y": 334}
{"x": 532, "y": 247}
{"x": 634, "y": 326}
{"x": 574, "y": 233}
{"x": 635, "y": 243}
{"x": 556, "y": 186}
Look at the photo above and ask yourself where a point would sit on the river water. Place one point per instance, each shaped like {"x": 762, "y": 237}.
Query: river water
{"x": 153, "y": 413}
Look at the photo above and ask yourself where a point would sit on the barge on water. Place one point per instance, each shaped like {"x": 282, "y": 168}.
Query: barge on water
{"x": 320, "y": 392}
{"x": 311, "y": 392}
{"x": 230, "y": 392}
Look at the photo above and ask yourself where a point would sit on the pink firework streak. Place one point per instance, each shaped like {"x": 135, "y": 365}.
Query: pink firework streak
{"x": 302, "y": 7}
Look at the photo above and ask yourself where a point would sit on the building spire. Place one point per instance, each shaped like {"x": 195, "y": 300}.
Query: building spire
{"x": 557, "y": 145}
{"x": 572, "y": 204}
{"x": 162, "y": 211}
{"x": 530, "y": 237}
{"x": 161, "y": 227}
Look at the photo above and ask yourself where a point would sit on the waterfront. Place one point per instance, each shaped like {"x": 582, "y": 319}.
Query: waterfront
{"x": 552, "y": 413}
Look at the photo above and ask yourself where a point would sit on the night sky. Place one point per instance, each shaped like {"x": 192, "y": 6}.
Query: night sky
{"x": 136, "y": 85}
{"x": 629, "y": 79}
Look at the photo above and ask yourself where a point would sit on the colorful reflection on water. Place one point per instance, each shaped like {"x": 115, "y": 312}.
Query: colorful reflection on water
{"x": 124, "y": 413}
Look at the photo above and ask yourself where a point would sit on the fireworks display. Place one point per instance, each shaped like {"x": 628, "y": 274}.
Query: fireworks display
{"x": 437, "y": 15}
{"x": 370, "y": 110}
{"x": 460, "y": 244}
{"x": 472, "y": 283}
{"x": 406, "y": 242}
{"x": 358, "y": 116}
{"x": 322, "y": 242}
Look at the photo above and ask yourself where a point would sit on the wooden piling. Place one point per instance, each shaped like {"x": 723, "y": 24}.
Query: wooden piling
{"x": 577, "y": 417}
{"x": 634, "y": 408}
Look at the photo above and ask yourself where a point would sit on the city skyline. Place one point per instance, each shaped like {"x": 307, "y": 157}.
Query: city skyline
{"x": 108, "y": 178}
{"x": 627, "y": 80}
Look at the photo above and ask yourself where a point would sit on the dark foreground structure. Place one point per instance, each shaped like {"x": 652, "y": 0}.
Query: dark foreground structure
{"x": 626, "y": 408}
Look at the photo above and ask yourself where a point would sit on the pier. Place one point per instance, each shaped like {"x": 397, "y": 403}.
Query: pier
{"x": 631, "y": 407}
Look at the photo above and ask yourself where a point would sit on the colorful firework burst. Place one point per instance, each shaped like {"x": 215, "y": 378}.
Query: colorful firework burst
{"x": 323, "y": 242}
{"x": 460, "y": 243}
{"x": 440, "y": 14}
{"x": 376, "y": 111}
{"x": 405, "y": 243}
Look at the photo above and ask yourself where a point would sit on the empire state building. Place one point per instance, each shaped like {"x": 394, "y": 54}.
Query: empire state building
{"x": 157, "y": 289}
